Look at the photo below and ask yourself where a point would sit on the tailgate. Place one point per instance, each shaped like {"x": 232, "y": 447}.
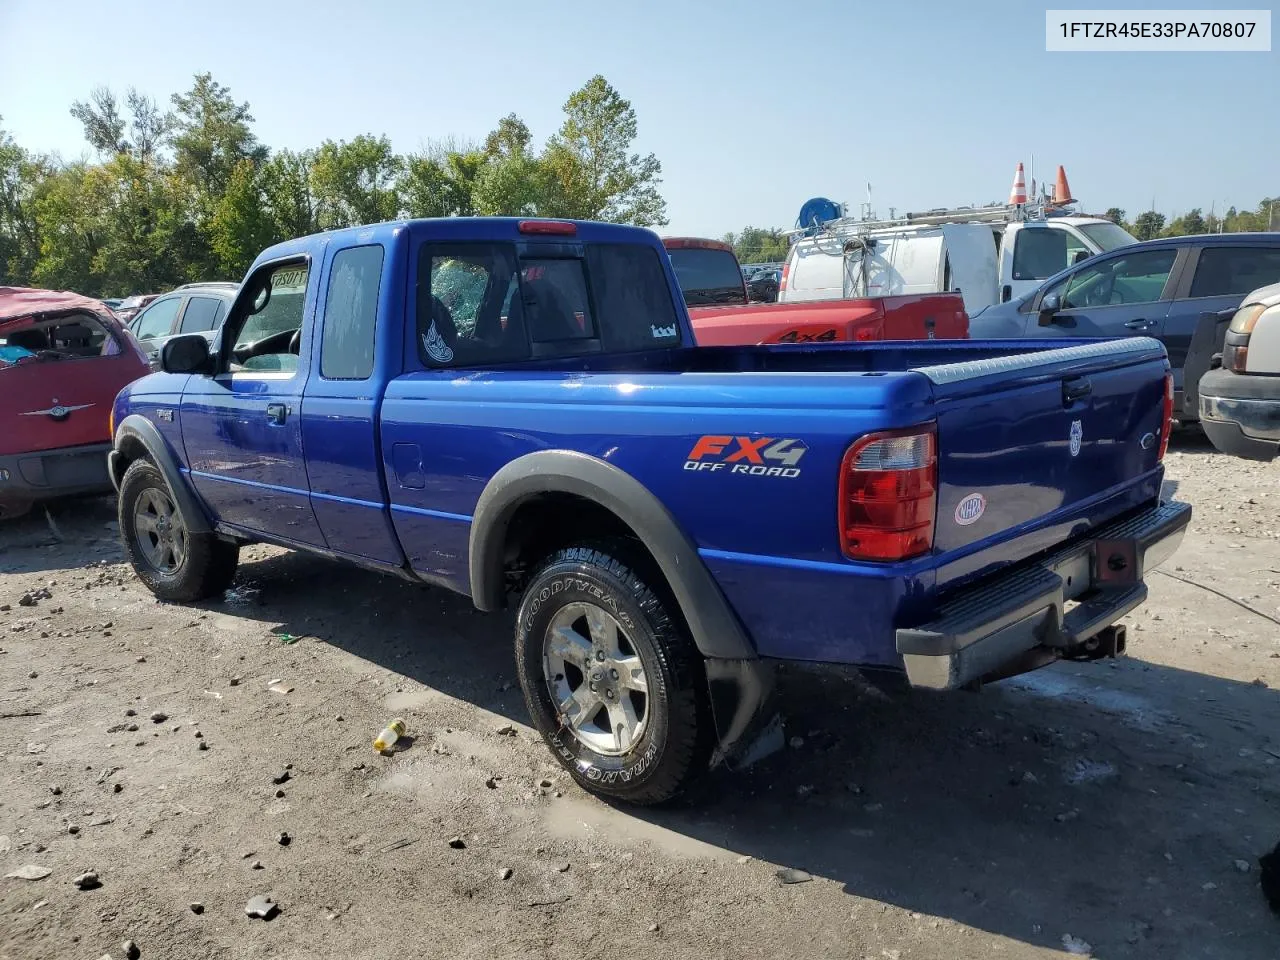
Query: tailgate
{"x": 1043, "y": 440}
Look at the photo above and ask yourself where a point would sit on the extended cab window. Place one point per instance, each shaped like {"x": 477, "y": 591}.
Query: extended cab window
{"x": 1133, "y": 278}
{"x": 350, "y": 314}
{"x": 269, "y": 336}
{"x": 1235, "y": 271}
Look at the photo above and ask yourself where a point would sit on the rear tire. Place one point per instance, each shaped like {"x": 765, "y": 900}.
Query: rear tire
{"x": 611, "y": 679}
{"x": 174, "y": 563}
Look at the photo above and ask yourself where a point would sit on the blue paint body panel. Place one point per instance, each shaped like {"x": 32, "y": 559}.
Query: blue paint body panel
{"x": 388, "y": 471}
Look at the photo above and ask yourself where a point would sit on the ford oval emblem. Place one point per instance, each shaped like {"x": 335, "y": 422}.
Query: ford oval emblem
{"x": 970, "y": 509}
{"x": 1148, "y": 441}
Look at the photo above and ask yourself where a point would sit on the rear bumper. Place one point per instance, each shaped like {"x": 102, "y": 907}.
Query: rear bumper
{"x": 981, "y": 631}
{"x": 44, "y": 474}
{"x": 1241, "y": 413}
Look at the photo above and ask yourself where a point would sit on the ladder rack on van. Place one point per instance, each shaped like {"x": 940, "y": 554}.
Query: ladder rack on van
{"x": 852, "y": 227}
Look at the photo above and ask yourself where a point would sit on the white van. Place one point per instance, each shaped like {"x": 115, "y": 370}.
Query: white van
{"x": 987, "y": 262}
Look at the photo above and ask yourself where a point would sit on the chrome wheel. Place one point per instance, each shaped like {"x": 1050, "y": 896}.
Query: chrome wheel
{"x": 161, "y": 535}
{"x": 596, "y": 678}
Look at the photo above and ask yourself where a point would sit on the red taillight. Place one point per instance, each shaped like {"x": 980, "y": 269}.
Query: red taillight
{"x": 1166, "y": 415}
{"x": 558, "y": 228}
{"x": 888, "y": 495}
{"x": 786, "y": 272}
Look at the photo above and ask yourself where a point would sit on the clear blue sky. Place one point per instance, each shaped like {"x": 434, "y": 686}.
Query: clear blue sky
{"x": 751, "y": 107}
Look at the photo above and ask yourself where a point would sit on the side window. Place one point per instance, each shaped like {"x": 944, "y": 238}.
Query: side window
{"x": 350, "y": 312}
{"x": 468, "y": 310}
{"x": 1039, "y": 253}
{"x": 1132, "y": 278}
{"x": 633, "y": 297}
{"x": 201, "y": 315}
{"x": 1234, "y": 271}
{"x": 266, "y": 325}
{"x": 1076, "y": 250}
{"x": 156, "y": 320}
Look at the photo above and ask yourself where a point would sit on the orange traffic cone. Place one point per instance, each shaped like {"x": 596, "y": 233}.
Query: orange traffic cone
{"x": 1018, "y": 194}
{"x": 1062, "y": 192}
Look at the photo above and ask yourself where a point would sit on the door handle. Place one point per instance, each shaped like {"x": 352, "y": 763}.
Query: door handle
{"x": 277, "y": 412}
{"x": 1076, "y": 389}
{"x": 1140, "y": 324}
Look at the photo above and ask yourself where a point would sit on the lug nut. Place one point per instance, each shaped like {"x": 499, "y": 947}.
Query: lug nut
{"x": 614, "y": 673}
{"x": 600, "y": 655}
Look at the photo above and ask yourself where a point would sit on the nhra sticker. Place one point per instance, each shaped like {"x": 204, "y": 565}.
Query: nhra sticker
{"x": 970, "y": 509}
{"x": 753, "y": 456}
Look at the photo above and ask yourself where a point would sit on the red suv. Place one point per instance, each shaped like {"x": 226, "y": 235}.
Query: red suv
{"x": 63, "y": 359}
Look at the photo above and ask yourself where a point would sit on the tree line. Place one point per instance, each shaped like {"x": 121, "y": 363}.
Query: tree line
{"x": 1153, "y": 224}
{"x": 188, "y": 192}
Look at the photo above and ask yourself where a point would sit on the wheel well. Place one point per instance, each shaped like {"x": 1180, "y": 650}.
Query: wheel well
{"x": 549, "y": 522}
{"x": 131, "y": 448}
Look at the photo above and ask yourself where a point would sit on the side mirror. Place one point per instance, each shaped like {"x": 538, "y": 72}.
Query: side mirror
{"x": 186, "y": 354}
{"x": 1080, "y": 257}
{"x": 1050, "y": 305}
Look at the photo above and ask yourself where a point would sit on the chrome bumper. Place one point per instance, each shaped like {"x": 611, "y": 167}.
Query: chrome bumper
{"x": 983, "y": 629}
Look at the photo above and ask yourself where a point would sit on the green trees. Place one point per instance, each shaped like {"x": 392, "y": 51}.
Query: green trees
{"x": 191, "y": 193}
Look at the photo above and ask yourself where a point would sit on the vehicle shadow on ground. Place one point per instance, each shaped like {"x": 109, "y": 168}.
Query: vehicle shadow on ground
{"x": 1190, "y": 439}
{"x": 60, "y": 534}
{"x": 1108, "y": 801}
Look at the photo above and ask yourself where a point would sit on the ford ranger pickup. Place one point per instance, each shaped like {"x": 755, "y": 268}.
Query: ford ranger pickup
{"x": 516, "y": 410}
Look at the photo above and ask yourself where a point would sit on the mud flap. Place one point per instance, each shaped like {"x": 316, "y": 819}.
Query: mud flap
{"x": 741, "y": 694}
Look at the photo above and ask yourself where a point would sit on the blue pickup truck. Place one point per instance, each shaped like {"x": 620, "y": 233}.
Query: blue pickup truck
{"x": 516, "y": 410}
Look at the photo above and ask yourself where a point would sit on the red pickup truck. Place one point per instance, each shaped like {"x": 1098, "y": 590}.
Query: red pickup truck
{"x": 711, "y": 281}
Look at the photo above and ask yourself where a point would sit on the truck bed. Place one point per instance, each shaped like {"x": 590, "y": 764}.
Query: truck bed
{"x": 1004, "y": 434}
{"x": 906, "y": 317}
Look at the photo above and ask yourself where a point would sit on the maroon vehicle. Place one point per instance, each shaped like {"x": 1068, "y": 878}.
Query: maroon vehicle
{"x": 63, "y": 359}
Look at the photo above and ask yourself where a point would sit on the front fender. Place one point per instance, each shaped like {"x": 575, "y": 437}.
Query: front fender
{"x": 716, "y": 628}
{"x": 137, "y": 436}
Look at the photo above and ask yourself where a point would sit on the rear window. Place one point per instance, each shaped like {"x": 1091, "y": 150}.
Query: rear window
{"x": 707, "y": 276}
{"x": 633, "y": 297}
{"x": 1234, "y": 271}
{"x": 479, "y": 303}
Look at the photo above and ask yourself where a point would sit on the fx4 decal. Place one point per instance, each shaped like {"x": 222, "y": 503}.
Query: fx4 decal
{"x": 753, "y": 456}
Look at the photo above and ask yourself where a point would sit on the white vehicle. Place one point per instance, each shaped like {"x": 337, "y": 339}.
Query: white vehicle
{"x": 1240, "y": 401}
{"x": 985, "y": 253}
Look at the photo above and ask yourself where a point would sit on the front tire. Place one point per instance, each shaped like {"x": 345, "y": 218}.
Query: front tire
{"x": 611, "y": 679}
{"x": 173, "y": 562}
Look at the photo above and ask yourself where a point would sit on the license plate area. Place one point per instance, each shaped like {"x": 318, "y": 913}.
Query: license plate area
{"x": 1115, "y": 562}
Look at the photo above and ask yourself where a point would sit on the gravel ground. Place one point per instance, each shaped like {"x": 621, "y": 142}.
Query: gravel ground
{"x": 1116, "y": 808}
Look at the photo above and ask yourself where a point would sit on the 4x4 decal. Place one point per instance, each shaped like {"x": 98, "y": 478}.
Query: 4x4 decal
{"x": 753, "y": 456}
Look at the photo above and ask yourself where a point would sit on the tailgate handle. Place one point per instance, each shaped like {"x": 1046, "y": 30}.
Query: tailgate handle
{"x": 1075, "y": 389}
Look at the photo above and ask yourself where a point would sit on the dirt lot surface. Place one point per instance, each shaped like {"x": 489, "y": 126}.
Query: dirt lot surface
{"x": 1117, "y": 808}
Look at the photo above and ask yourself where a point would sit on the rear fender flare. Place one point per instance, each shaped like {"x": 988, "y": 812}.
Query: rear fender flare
{"x": 135, "y": 429}
{"x": 716, "y": 629}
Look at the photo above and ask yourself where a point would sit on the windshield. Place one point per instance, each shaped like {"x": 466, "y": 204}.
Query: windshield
{"x": 707, "y": 276}
{"x": 1107, "y": 236}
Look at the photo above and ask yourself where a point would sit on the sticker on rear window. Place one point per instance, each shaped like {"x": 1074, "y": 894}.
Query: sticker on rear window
{"x": 970, "y": 509}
